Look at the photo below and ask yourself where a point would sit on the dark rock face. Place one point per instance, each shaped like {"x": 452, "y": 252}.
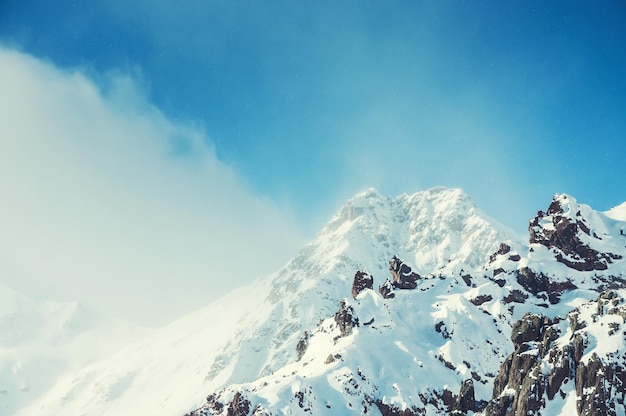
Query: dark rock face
{"x": 302, "y": 346}
{"x": 559, "y": 231}
{"x": 538, "y": 282}
{"x": 386, "y": 290}
{"x": 345, "y": 319}
{"x": 466, "y": 401}
{"x": 362, "y": 281}
{"x": 389, "y": 410}
{"x": 528, "y": 328}
{"x": 238, "y": 406}
{"x": 403, "y": 276}
{"x": 480, "y": 299}
{"x": 525, "y": 383}
{"x": 521, "y": 371}
{"x": 502, "y": 250}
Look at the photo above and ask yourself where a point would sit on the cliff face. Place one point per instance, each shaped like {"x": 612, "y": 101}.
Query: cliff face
{"x": 575, "y": 364}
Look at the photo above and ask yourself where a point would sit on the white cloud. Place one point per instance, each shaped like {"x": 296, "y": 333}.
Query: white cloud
{"x": 105, "y": 200}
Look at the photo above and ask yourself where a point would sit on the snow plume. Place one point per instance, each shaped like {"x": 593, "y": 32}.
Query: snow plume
{"x": 106, "y": 200}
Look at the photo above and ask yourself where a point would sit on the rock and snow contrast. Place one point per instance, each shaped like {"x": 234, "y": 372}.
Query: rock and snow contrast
{"x": 415, "y": 305}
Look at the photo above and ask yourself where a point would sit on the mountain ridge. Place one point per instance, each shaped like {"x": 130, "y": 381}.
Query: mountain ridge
{"x": 555, "y": 273}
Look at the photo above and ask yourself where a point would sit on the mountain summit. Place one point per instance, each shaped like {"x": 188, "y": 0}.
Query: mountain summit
{"x": 517, "y": 335}
{"x": 408, "y": 305}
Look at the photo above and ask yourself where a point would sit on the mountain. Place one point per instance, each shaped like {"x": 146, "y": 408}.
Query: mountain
{"x": 413, "y": 305}
{"x": 536, "y": 330}
{"x": 253, "y": 332}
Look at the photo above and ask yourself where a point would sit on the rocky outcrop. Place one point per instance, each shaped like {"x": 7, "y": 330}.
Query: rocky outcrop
{"x": 541, "y": 369}
{"x": 518, "y": 388}
{"x": 386, "y": 290}
{"x": 466, "y": 401}
{"x": 563, "y": 231}
{"x": 238, "y": 406}
{"x": 537, "y": 283}
{"x": 345, "y": 319}
{"x": 302, "y": 345}
{"x": 403, "y": 276}
{"x": 362, "y": 281}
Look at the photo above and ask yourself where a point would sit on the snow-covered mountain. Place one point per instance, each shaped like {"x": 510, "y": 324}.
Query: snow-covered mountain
{"x": 253, "y": 332}
{"x": 407, "y": 305}
{"x": 501, "y": 340}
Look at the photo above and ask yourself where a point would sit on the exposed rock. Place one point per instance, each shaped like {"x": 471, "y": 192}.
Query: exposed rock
{"x": 345, "y": 318}
{"x": 502, "y": 250}
{"x": 538, "y": 282}
{"x": 302, "y": 345}
{"x": 403, "y": 276}
{"x": 539, "y": 368}
{"x": 362, "y": 281}
{"x": 516, "y": 296}
{"x": 240, "y": 406}
{"x": 561, "y": 231}
{"x": 467, "y": 279}
{"x": 528, "y": 328}
{"x": 390, "y": 410}
{"x": 213, "y": 404}
{"x": 480, "y": 299}
{"x": 386, "y": 290}
{"x": 466, "y": 401}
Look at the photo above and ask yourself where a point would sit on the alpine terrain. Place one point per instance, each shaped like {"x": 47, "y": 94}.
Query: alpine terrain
{"x": 415, "y": 305}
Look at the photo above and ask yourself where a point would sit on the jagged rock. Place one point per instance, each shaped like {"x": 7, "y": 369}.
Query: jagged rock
{"x": 214, "y": 405}
{"x": 302, "y": 345}
{"x": 480, "y": 299}
{"x": 390, "y": 410}
{"x": 386, "y": 290}
{"x": 240, "y": 406}
{"x": 362, "y": 281}
{"x": 561, "y": 231}
{"x": 500, "y": 406}
{"x": 528, "y": 328}
{"x": 466, "y": 401}
{"x": 516, "y": 296}
{"x": 403, "y": 276}
{"x": 345, "y": 318}
{"x": 502, "y": 250}
{"x": 538, "y": 282}
{"x": 539, "y": 368}
{"x": 260, "y": 411}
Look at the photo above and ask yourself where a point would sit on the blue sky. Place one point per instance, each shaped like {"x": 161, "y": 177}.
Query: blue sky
{"x": 304, "y": 104}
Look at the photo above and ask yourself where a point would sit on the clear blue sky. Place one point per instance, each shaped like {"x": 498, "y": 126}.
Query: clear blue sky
{"x": 307, "y": 103}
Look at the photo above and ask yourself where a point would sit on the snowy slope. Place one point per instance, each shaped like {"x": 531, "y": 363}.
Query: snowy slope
{"x": 39, "y": 342}
{"x": 253, "y": 331}
{"x": 617, "y": 213}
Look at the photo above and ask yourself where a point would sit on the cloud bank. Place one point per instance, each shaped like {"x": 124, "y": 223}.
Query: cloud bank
{"x": 105, "y": 200}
